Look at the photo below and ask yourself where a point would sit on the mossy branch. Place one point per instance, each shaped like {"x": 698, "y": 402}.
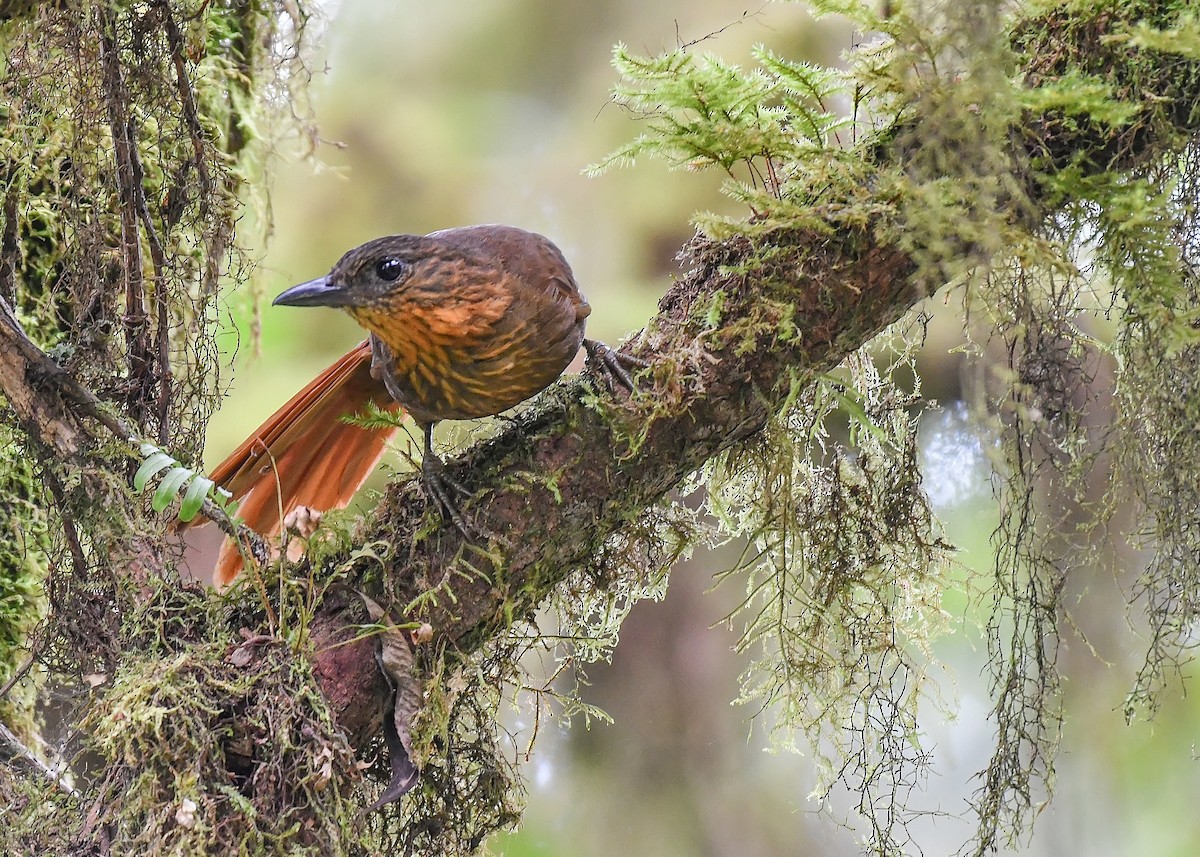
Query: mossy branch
{"x": 758, "y": 315}
{"x": 844, "y": 241}
{"x": 845, "y": 285}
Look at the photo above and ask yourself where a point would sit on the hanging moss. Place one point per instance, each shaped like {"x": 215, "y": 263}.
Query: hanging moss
{"x": 1038, "y": 161}
{"x": 24, "y": 550}
{"x": 966, "y": 177}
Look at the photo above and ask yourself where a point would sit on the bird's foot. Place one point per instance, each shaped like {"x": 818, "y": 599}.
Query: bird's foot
{"x": 441, "y": 488}
{"x": 612, "y": 363}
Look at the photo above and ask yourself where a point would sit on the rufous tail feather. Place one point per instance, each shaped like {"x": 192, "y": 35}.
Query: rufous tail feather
{"x": 305, "y": 454}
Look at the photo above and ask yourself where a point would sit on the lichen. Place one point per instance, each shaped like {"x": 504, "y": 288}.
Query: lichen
{"x": 966, "y": 178}
{"x": 971, "y": 172}
{"x": 24, "y": 555}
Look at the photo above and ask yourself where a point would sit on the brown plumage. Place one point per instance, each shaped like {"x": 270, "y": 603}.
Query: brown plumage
{"x": 464, "y": 323}
{"x": 476, "y": 319}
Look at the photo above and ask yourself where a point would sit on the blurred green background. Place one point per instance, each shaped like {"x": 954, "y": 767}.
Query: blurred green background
{"x": 436, "y": 115}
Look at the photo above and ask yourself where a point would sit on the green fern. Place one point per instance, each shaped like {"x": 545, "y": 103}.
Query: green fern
{"x": 198, "y": 488}
{"x": 768, "y": 128}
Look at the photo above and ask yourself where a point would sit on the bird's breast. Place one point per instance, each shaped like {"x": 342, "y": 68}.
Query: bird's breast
{"x": 457, "y": 361}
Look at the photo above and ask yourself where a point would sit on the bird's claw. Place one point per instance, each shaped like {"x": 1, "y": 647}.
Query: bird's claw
{"x": 440, "y": 488}
{"x": 613, "y": 363}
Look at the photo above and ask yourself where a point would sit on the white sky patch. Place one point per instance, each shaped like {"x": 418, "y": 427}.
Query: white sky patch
{"x": 543, "y": 773}
{"x": 952, "y": 456}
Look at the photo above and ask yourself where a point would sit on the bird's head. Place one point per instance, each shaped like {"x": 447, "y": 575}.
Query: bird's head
{"x": 367, "y": 276}
{"x": 414, "y": 290}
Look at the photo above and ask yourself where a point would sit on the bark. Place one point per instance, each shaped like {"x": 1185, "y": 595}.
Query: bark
{"x": 586, "y": 462}
{"x": 712, "y": 390}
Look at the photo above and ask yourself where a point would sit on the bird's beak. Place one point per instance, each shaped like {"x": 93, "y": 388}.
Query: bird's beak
{"x": 318, "y": 292}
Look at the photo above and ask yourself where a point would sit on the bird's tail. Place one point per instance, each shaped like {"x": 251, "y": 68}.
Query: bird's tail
{"x": 305, "y": 454}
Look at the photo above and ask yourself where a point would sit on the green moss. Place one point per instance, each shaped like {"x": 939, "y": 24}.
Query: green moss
{"x": 964, "y": 173}
{"x": 175, "y": 727}
{"x": 1179, "y": 36}
{"x": 24, "y": 557}
{"x": 769, "y": 128}
{"x": 955, "y": 157}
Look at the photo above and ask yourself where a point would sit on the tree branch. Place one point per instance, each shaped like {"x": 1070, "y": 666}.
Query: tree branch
{"x": 585, "y": 465}
{"x": 573, "y": 471}
{"x": 563, "y": 478}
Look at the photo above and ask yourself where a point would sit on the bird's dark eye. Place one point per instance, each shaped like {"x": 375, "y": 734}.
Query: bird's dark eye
{"x": 389, "y": 269}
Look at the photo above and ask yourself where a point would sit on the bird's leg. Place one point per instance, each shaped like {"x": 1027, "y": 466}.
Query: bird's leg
{"x": 439, "y": 484}
{"x": 613, "y": 363}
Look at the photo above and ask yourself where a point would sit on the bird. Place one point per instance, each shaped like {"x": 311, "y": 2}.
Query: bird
{"x": 462, "y": 323}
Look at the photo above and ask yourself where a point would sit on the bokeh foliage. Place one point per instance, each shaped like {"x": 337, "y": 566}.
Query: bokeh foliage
{"x": 1046, "y": 247}
{"x": 129, "y": 138}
